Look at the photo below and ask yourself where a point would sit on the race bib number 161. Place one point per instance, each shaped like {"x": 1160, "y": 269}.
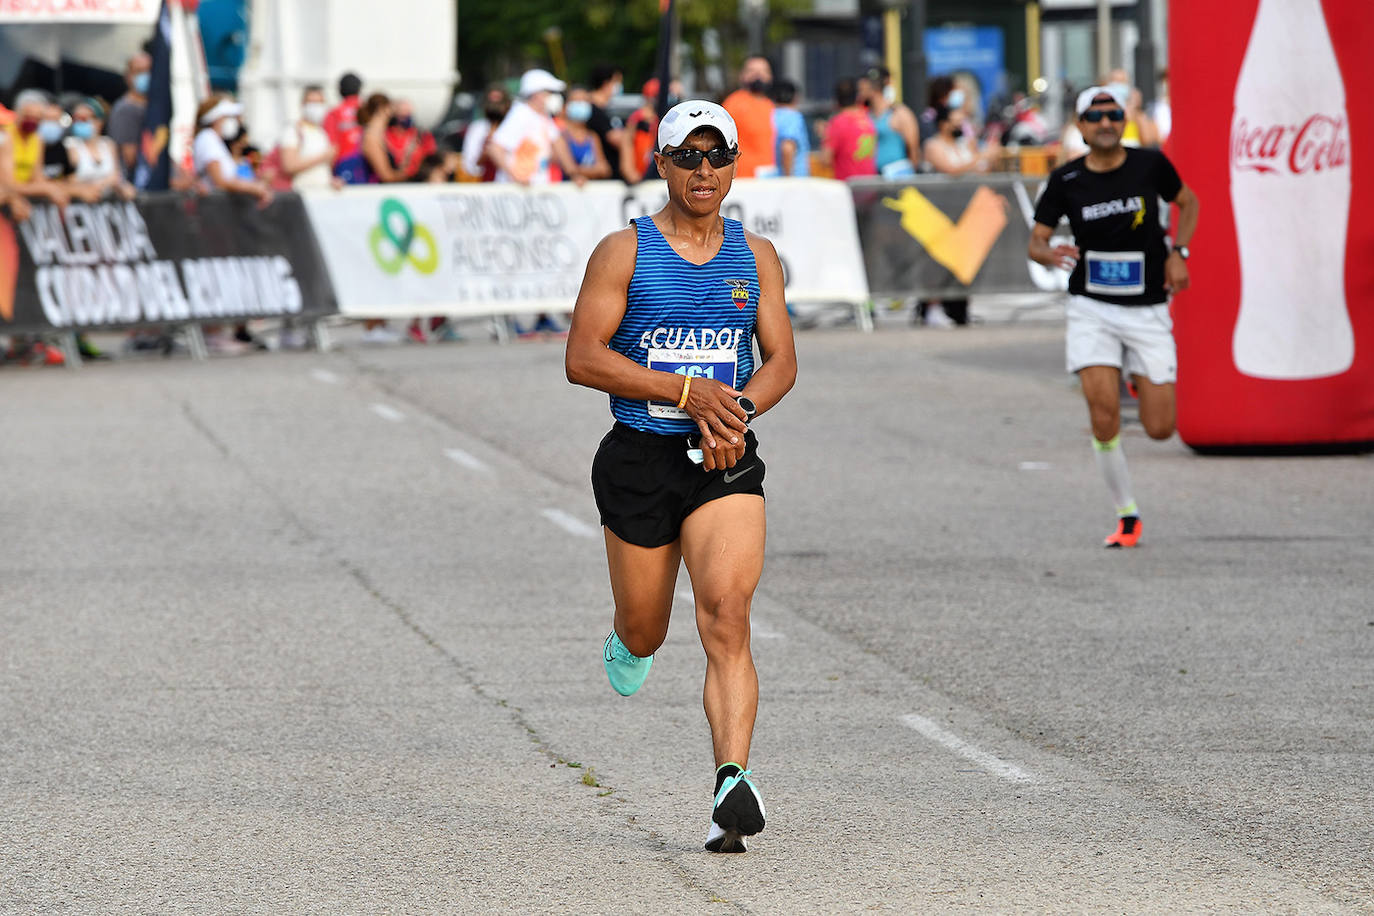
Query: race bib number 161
{"x": 712, "y": 364}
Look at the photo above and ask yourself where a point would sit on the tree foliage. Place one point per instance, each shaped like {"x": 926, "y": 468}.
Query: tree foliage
{"x": 498, "y": 39}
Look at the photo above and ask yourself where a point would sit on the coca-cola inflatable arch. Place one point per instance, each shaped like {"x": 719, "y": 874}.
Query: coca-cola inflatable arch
{"x": 1273, "y": 127}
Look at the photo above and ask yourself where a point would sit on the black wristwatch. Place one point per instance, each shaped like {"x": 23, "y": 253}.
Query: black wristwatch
{"x": 748, "y": 406}
{"x": 1182, "y": 251}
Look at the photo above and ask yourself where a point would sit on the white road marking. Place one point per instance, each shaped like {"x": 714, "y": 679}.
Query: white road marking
{"x": 466, "y": 459}
{"x": 953, "y": 742}
{"x": 387, "y": 412}
{"x": 571, "y": 524}
{"x": 1035, "y": 465}
{"x": 324, "y": 375}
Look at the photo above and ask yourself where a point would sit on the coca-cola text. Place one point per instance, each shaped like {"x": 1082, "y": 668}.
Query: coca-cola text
{"x": 1320, "y": 142}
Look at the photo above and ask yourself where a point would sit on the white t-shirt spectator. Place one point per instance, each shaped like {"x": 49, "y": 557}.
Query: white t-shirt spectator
{"x": 309, "y": 141}
{"x": 527, "y": 137}
{"x": 210, "y": 147}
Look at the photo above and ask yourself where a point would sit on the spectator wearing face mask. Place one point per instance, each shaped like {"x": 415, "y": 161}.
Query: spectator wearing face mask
{"x": 942, "y": 93}
{"x": 584, "y": 145}
{"x": 476, "y": 163}
{"x": 527, "y": 144}
{"x": 407, "y": 144}
{"x": 28, "y": 149}
{"x": 899, "y": 144}
{"x": 793, "y": 152}
{"x": 607, "y": 82}
{"x": 639, "y": 139}
{"x": 57, "y": 165}
{"x": 215, "y": 166}
{"x": 126, "y": 117}
{"x": 94, "y": 159}
{"x": 752, "y": 110}
{"x": 304, "y": 150}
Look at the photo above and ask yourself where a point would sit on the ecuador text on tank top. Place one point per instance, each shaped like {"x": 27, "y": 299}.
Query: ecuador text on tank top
{"x": 690, "y": 319}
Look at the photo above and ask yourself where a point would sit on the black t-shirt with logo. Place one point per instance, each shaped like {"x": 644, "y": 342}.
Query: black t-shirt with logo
{"x": 1115, "y": 220}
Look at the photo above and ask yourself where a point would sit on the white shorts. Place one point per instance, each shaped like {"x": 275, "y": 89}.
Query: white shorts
{"x": 1137, "y": 339}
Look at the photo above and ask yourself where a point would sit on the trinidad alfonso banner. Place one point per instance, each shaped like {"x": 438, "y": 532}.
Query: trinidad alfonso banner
{"x": 484, "y": 249}
{"x": 1276, "y": 335}
{"x": 163, "y": 259}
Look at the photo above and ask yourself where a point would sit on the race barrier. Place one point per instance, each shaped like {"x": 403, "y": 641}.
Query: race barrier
{"x": 403, "y": 251}
{"x": 481, "y": 249}
{"x": 1276, "y": 335}
{"x": 935, "y": 237}
{"x": 161, "y": 259}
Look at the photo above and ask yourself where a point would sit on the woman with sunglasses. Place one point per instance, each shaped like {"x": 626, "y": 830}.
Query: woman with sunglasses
{"x": 1122, "y": 272}
{"x": 665, "y": 323}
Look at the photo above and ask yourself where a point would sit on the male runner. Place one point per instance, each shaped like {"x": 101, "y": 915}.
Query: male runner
{"x": 1122, "y": 273}
{"x": 665, "y": 323}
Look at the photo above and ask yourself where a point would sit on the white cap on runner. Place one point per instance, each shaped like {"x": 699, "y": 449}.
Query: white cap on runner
{"x": 694, "y": 114}
{"x": 1087, "y": 96}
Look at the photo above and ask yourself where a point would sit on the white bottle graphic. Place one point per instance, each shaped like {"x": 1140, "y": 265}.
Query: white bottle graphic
{"x": 1290, "y": 193}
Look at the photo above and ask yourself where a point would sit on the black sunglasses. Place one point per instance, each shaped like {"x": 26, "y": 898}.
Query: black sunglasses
{"x": 719, "y": 157}
{"x": 1092, "y": 116}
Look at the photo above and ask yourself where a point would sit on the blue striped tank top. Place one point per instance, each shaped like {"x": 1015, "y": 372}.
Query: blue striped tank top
{"x": 689, "y": 319}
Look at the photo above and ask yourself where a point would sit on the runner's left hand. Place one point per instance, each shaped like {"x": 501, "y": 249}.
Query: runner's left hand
{"x": 1175, "y": 273}
{"x": 724, "y": 455}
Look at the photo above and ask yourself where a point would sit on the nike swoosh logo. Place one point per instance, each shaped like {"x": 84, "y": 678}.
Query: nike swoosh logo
{"x": 731, "y": 478}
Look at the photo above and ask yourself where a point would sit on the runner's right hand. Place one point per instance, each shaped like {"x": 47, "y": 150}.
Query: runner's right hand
{"x": 712, "y": 405}
{"x": 1065, "y": 256}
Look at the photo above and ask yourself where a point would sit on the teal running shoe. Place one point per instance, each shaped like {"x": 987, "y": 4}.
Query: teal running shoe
{"x": 738, "y": 812}
{"x": 625, "y": 670}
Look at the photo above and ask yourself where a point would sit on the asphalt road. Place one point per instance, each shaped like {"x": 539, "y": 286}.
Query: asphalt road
{"x": 320, "y": 633}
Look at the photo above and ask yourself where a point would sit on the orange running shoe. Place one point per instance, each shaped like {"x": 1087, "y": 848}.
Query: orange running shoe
{"x": 1127, "y": 533}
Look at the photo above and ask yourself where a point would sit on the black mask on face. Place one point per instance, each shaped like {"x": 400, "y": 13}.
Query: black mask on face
{"x": 759, "y": 87}
{"x": 494, "y": 114}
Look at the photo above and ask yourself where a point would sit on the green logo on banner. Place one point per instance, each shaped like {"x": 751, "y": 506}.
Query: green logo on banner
{"x": 394, "y": 235}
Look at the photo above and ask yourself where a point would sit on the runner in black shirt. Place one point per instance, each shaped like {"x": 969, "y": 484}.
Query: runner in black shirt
{"x": 1122, "y": 273}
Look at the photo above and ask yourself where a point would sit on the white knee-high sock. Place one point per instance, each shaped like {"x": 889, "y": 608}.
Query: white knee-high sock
{"x": 1111, "y": 461}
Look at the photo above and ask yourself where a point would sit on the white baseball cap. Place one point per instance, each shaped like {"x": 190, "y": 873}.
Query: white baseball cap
{"x": 1086, "y": 97}
{"x": 540, "y": 81}
{"x": 224, "y": 108}
{"x": 685, "y": 117}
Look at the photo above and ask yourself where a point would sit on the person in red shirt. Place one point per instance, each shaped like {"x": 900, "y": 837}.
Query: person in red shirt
{"x": 851, "y": 140}
{"x": 407, "y": 144}
{"x": 341, "y": 123}
{"x": 752, "y": 110}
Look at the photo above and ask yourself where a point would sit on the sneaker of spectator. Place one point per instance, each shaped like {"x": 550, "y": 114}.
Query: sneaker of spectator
{"x": 379, "y": 333}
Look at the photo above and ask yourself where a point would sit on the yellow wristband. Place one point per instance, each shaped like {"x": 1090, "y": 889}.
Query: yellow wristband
{"x": 686, "y": 386}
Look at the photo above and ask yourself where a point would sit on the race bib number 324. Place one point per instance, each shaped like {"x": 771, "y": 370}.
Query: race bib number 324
{"x": 712, "y": 364}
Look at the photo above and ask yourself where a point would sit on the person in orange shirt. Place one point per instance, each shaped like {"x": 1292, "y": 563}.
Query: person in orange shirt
{"x": 752, "y": 110}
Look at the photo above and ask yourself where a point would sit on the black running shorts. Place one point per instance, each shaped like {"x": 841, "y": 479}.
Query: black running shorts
{"x": 645, "y": 485}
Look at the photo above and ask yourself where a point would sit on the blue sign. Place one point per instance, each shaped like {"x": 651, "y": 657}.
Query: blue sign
{"x": 976, "y": 50}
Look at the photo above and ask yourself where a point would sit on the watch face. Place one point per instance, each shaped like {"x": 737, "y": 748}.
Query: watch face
{"x": 747, "y": 404}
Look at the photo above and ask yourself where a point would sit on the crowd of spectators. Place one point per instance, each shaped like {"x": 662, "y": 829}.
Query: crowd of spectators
{"x": 539, "y": 131}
